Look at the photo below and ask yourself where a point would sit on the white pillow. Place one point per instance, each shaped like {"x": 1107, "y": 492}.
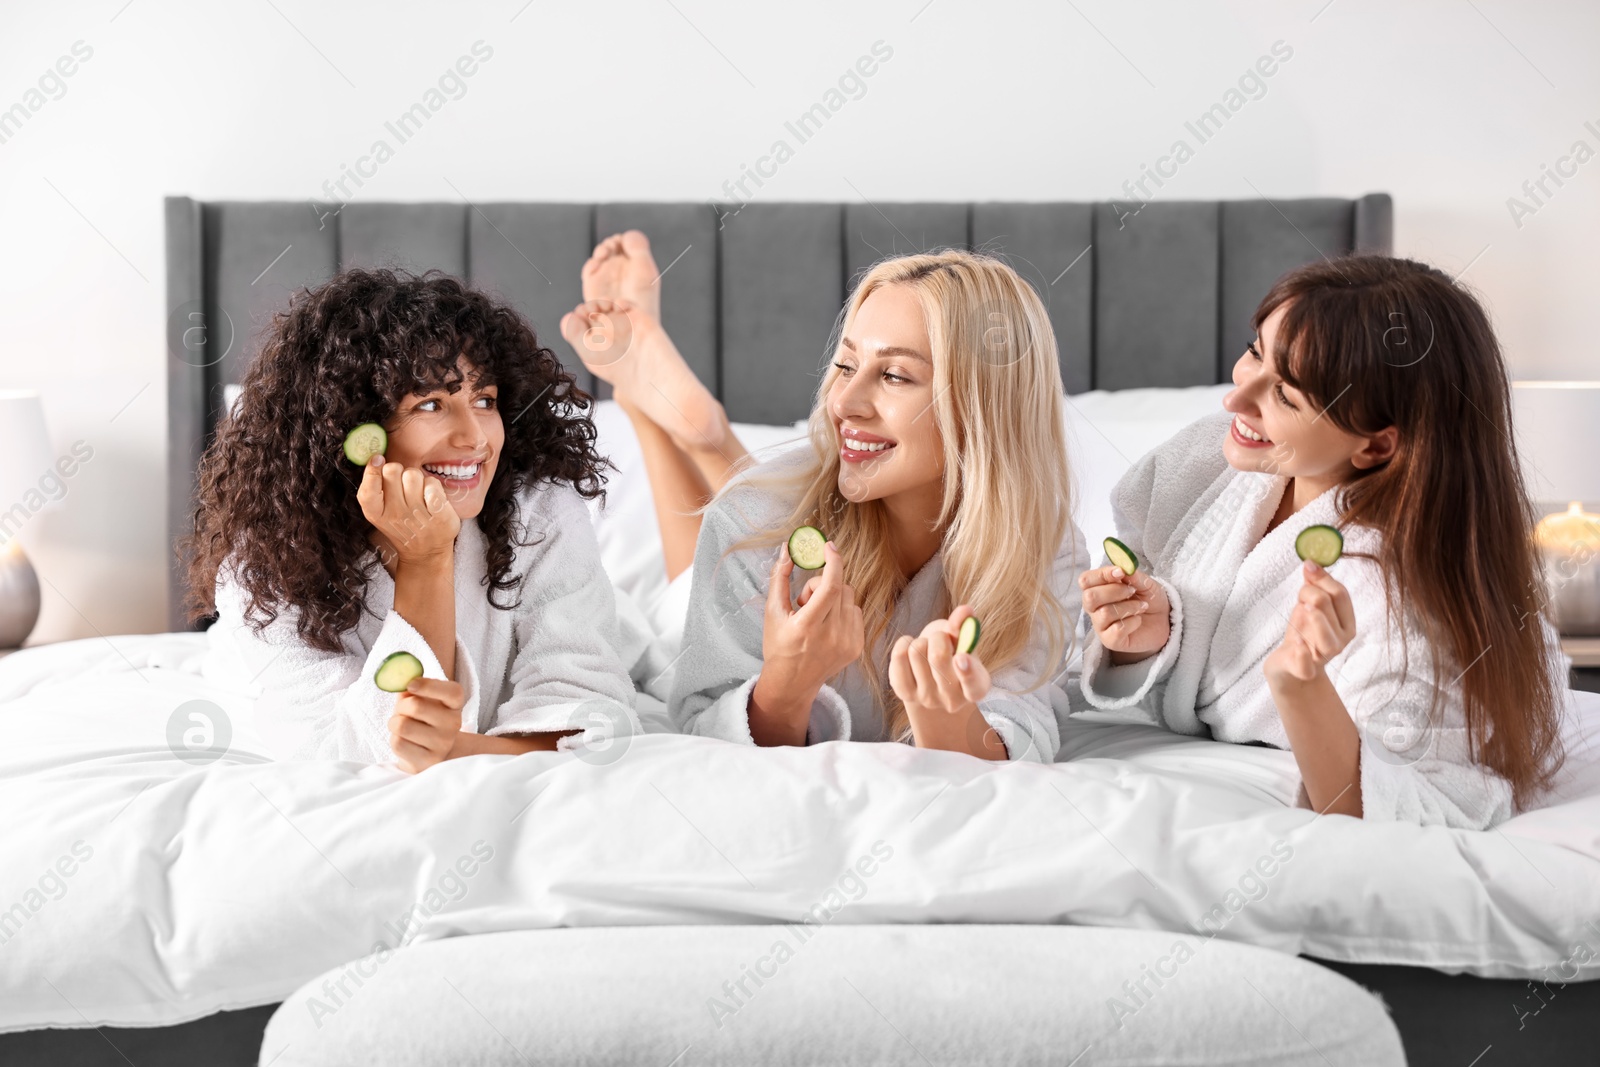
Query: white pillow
{"x": 1108, "y": 432}
{"x": 630, "y": 540}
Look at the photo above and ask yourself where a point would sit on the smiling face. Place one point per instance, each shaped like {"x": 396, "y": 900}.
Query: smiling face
{"x": 881, "y": 404}
{"x": 454, "y": 436}
{"x": 1279, "y": 430}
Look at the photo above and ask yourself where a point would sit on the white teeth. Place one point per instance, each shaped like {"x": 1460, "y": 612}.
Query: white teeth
{"x": 452, "y": 471}
{"x": 1245, "y": 431}
{"x": 862, "y": 446}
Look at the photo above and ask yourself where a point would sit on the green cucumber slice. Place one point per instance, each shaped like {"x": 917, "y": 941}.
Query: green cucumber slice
{"x": 1322, "y": 545}
{"x": 805, "y": 548}
{"x": 967, "y": 638}
{"x": 364, "y": 442}
{"x": 1121, "y": 556}
{"x": 396, "y": 672}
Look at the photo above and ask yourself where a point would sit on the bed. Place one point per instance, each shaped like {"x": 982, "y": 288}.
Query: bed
{"x": 218, "y": 902}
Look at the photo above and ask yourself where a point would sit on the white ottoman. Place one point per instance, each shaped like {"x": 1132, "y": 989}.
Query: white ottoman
{"x": 672, "y": 996}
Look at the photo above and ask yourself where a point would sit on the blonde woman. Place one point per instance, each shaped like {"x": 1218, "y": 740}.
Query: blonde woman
{"x": 937, "y": 467}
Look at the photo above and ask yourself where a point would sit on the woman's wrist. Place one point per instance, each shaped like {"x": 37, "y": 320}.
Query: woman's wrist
{"x": 471, "y": 744}
{"x": 780, "y": 708}
{"x": 1283, "y": 684}
{"x": 425, "y": 596}
{"x": 963, "y": 730}
{"x": 429, "y": 566}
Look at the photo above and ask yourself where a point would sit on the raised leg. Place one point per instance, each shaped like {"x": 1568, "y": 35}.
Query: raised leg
{"x": 677, "y": 488}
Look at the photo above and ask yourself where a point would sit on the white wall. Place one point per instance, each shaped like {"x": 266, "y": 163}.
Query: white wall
{"x": 1449, "y": 105}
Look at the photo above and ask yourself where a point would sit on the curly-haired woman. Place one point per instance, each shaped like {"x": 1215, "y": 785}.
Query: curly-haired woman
{"x": 318, "y": 570}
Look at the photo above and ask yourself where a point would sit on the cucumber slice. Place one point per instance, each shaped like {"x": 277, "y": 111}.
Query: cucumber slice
{"x": 396, "y": 672}
{"x": 1121, "y": 555}
{"x": 805, "y": 548}
{"x": 1322, "y": 545}
{"x": 967, "y": 638}
{"x": 364, "y": 442}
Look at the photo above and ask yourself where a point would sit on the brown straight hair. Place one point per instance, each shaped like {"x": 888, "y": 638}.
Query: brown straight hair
{"x": 1378, "y": 341}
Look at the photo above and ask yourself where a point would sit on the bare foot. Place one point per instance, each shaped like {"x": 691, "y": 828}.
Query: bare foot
{"x": 621, "y": 268}
{"x": 626, "y": 346}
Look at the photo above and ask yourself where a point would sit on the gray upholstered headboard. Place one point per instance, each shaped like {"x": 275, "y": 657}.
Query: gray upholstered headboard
{"x": 1161, "y": 297}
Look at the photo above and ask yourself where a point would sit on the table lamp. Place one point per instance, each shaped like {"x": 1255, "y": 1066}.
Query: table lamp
{"x": 1558, "y": 437}
{"x": 26, "y": 481}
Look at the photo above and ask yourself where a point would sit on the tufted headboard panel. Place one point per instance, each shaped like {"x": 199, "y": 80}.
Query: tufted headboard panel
{"x": 1160, "y": 295}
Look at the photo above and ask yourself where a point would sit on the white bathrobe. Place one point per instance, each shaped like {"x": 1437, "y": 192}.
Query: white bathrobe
{"x": 1196, "y": 525}
{"x": 559, "y": 661}
{"x": 721, "y": 657}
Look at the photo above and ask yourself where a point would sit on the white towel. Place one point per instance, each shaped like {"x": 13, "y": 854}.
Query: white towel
{"x": 721, "y": 657}
{"x": 1197, "y": 526}
{"x": 559, "y": 661}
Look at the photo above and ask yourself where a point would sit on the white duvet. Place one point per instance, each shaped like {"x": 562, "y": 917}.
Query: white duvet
{"x": 140, "y": 888}
{"x": 137, "y": 887}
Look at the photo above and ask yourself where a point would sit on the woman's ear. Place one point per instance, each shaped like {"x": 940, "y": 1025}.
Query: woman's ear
{"x": 1378, "y": 449}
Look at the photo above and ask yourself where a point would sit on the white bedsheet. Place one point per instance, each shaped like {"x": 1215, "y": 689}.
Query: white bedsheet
{"x": 198, "y": 888}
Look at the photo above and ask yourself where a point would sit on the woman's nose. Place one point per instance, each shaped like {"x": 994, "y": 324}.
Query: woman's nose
{"x": 467, "y": 431}
{"x": 1238, "y": 399}
{"x": 851, "y": 397}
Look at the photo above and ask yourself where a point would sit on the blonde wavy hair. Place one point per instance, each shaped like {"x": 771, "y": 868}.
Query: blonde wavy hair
{"x": 997, "y": 403}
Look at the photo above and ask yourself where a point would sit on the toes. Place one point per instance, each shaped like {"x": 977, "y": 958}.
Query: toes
{"x": 605, "y": 305}
{"x": 600, "y": 257}
{"x": 635, "y": 244}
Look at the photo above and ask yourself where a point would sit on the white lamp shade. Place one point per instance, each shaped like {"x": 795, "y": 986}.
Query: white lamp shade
{"x": 29, "y": 482}
{"x": 1558, "y": 437}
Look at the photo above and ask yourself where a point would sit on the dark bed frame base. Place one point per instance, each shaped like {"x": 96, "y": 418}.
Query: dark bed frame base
{"x": 1445, "y": 1020}
{"x": 226, "y": 1039}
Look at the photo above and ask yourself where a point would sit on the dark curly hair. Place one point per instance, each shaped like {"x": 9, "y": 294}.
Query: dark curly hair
{"x": 275, "y": 491}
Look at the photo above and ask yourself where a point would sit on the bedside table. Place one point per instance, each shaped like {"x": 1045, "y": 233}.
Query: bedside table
{"x": 1585, "y": 653}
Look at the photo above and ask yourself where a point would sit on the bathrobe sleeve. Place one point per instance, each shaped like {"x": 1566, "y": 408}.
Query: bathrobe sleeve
{"x": 1155, "y": 506}
{"x": 1137, "y": 685}
{"x": 314, "y": 704}
{"x": 1414, "y": 768}
{"x": 720, "y": 660}
{"x": 1025, "y": 719}
{"x": 566, "y": 670}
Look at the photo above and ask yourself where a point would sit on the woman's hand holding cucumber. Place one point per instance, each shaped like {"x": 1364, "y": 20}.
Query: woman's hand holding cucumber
{"x": 1321, "y": 625}
{"x": 409, "y": 508}
{"x": 426, "y": 722}
{"x": 940, "y": 685}
{"x": 802, "y": 647}
{"x": 1130, "y": 612}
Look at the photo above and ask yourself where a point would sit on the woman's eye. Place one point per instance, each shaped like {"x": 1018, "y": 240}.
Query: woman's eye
{"x": 844, "y": 368}
{"x": 1284, "y": 397}
{"x": 423, "y": 405}
{"x": 890, "y": 376}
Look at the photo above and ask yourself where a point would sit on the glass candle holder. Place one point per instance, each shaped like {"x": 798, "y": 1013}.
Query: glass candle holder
{"x": 1569, "y": 545}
